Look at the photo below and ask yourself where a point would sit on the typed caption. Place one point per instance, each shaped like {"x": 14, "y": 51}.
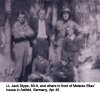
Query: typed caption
{"x": 44, "y": 87}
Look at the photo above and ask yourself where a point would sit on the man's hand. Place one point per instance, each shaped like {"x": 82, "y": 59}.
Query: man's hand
{"x": 2, "y": 46}
{"x": 64, "y": 76}
{"x": 35, "y": 42}
{"x": 22, "y": 34}
{"x": 33, "y": 77}
{"x": 61, "y": 73}
{"x": 41, "y": 75}
{"x": 46, "y": 78}
{"x": 29, "y": 33}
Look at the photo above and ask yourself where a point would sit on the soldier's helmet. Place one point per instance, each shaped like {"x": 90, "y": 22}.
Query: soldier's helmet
{"x": 66, "y": 10}
{"x": 63, "y": 57}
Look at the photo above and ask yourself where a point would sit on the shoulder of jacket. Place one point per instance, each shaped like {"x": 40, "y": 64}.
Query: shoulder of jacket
{"x": 59, "y": 21}
{"x": 16, "y": 24}
{"x": 46, "y": 60}
{"x": 71, "y": 21}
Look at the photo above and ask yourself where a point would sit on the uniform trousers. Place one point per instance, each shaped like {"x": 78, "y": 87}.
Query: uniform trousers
{"x": 21, "y": 58}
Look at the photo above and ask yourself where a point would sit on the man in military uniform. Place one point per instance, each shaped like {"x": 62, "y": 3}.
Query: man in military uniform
{"x": 21, "y": 32}
{"x": 61, "y": 27}
{"x": 63, "y": 71}
{"x": 71, "y": 48}
{"x": 40, "y": 68}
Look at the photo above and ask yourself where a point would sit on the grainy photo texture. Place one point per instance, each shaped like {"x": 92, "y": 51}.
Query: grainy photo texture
{"x": 49, "y": 40}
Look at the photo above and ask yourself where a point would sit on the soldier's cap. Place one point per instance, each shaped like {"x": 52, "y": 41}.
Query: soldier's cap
{"x": 66, "y": 10}
{"x": 42, "y": 53}
{"x": 64, "y": 58}
{"x": 21, "y": 12}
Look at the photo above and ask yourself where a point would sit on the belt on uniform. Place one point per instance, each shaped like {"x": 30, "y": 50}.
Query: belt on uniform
{"x": 19, "y": 40}
{"x": 60, "y": 36}
{"x": 41, "y": 38}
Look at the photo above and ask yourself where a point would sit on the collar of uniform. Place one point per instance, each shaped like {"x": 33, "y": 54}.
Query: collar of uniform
{"x": 19, "y": 24}
{"x": 65, "y": 21}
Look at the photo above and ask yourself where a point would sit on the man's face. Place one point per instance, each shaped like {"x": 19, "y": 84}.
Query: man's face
{"x": 64, "y": 62}
{"x": 66, "y": 16}
{"x": 21, "y": 18}
{"x": 70, "y": 31}
{"x": 42, "y": 14}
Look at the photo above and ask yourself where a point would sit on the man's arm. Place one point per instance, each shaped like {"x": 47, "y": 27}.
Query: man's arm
{"x": 76, "y": 26}
{"x": 34, "y": 66}
{"x": 29, "y": 32}
{"x": 15, "y": 32}
{"x": 56, "y": 71}
{"x": 34, "y": 25}
{"x": 47, "y": 68}
{"x": 70, "y": 71}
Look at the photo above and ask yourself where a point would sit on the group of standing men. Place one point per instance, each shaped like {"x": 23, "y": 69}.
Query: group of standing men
{"x": 55, "y": 48}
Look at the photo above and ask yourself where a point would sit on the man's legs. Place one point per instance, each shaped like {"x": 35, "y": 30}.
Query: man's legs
{"x": 47, "y": 79}
{"x": 76, "y": 74}
{"x": 33, "y": 77}
{"x": 19, "y": 54}
{"x": 18, "y": 66}
{"x": 25, "y": 60}
{"x": 75, "y": 62}
{"x": 59, "y": 49}
{"x": 43, "y": 45}
{"x": 29, "y": 59}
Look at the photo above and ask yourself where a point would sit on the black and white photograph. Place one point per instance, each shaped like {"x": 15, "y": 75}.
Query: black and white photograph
{"x": 50, "y": 41}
